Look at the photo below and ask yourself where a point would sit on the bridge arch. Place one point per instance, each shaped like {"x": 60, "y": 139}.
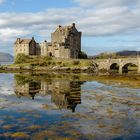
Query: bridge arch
{"x": 130, "y": 67}
{"x": 114, "y": 67}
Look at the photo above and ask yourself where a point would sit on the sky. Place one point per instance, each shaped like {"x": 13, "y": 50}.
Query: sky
{"x": 106, "y": 25}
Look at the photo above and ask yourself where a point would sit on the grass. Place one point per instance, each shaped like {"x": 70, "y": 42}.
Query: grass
{"x": 48, "y": 61}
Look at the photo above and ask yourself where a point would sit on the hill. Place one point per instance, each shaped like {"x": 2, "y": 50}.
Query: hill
{"x": 119, "y": 54}
{"x": 6, "y": 57}
{"x": 128, "y": 53}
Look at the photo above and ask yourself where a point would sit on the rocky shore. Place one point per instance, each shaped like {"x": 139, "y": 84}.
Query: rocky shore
{"x": 87, "y": 69}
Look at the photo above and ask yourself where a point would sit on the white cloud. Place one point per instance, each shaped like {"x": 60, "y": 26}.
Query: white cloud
{"x": 91, "y": 22}
{"x": 100, "y": 18}
{"x": 8, "y": 33}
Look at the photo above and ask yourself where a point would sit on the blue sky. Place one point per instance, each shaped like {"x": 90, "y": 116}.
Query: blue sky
{"x": 107, "y": 26}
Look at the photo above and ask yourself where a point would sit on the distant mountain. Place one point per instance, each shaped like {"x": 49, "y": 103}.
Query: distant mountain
{"x": 124, "y": 53}
{"x": 128, "y": 53}
{"x": 6, "y": 57}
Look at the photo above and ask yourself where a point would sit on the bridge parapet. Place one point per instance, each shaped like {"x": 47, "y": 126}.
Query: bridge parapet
{"x": 106, "y": 63}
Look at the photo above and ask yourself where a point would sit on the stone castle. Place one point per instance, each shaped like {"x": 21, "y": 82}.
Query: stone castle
{"x": 65, "y": 43}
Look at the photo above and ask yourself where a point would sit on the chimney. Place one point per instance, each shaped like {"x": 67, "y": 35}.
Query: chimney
{"x": 18, "y": 40}
{"x": 33, "y": 38}
{"x": 73, "y": 24}
{"x": 59, "y": 26}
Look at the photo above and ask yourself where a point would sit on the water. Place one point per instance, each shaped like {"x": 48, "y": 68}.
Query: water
{"x": 67, "y": 107}
{"x": 5, "y": 63}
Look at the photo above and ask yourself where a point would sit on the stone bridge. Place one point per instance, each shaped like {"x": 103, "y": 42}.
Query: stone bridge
{"x": 117, "y": 64}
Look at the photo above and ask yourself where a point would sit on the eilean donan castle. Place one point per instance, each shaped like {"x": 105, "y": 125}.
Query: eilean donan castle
{"x": 65, "y": 43}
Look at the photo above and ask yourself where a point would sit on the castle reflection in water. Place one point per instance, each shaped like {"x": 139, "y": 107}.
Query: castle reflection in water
{"x": 64, "y": 93}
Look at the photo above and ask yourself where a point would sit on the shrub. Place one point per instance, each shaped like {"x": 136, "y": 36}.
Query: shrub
{"x": 47, "y": 58}
{"x": 48, "y": 63}
{"x": 21, "y": 80}
{"x": 60, "y": 62}
{"x": 63, "y": 64}
{"x": 86, "y": 63}
{"x": 34, "y": 64}
{"x": 42, "y": 64}
{"x": 53, "y": 63}
{"x": 21, "y": 58}
{"x": 83, "y": 55}
{"x": 75, "y": 62}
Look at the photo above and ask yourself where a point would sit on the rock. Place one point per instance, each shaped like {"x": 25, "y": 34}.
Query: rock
{"x": 85, "y": 68}
{"x": 56, "y": 68}
{"x": 14, "y": 68}
{"x": 27, "y": 68}
{"x": 64, "y": 68}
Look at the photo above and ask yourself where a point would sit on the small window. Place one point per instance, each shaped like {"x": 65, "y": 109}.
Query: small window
{"x": 50, "y": 54}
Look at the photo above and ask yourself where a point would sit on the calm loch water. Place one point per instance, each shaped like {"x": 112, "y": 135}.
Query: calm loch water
{"x": 67, "y": 107}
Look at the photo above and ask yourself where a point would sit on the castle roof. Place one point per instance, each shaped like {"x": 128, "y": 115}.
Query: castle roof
{"x": 65, "y": 28}
{"x": 23, "y": 41}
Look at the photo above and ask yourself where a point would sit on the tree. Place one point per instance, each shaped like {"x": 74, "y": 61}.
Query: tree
{"x": 83, "y": 55}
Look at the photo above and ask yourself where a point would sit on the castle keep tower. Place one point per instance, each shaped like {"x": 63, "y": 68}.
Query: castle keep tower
{"x": 68, "y": 41}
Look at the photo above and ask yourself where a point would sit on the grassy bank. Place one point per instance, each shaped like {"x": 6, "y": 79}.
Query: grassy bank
{"x": 23, "y": 62}
{"x": 49, "y": 61}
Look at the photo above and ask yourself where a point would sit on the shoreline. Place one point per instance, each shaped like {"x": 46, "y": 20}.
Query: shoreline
{"x": 57, "y": 69}
{"x": 107, "y": 78}
{"x": 128, "y": 80}
{"x": 12, "y": 68}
